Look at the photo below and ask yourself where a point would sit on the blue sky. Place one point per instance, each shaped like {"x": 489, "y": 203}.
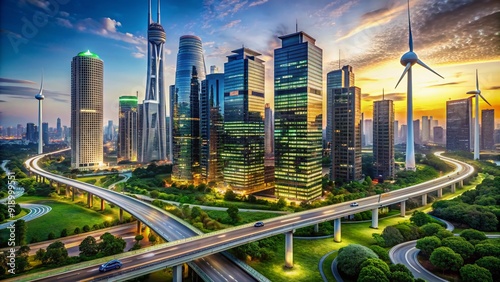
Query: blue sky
{"x": 452, "y": 37}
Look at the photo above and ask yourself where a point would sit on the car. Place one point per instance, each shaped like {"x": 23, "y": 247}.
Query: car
{"x": 355, "y": 204}
{"x": 259, "y": 224}
{"x": 112, "y": 264}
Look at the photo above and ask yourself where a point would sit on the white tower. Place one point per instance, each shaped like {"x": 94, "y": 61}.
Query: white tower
{"x": 477, "y": 93}
{"x": 40, "y": 98}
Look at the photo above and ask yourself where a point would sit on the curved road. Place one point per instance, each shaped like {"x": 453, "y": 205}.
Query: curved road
{"x": 36, "y": 211}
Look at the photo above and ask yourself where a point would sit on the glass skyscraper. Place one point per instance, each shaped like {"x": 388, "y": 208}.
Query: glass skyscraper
{"x": 458, "y": 125}
{"x": 487, "y": 129}
{"x": 244, "y": 120}
{"x": 383, "y": 138}
{"x": 298, "y": 83}
{"x": 186, "y": 109}
{"x": 212, "y": 127}
{"x": 127, "y": 128}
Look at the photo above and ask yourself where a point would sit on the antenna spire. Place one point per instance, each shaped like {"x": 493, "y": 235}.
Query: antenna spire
{"x": 296, "y": 26}
{"x": 149, "y": 12}
{"x": 158, "y": 20}
{"x": 383, "y": 94}
{"x": 339, "y": 58}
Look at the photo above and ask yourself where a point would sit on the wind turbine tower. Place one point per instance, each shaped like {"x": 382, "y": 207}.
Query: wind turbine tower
{"x": 477, "y": 93}
{"x": 40, "y": 98}
{"x": 408, "y": 60}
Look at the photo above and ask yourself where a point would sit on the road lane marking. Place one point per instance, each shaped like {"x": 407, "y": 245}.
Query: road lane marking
{"x": 290, "y": 219}
{"x": 408, "y": 261}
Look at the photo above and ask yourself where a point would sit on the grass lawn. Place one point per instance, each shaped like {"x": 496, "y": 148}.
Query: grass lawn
{"x": 64, "y": 214}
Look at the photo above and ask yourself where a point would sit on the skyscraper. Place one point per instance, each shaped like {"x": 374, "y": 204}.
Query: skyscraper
{"x": 368, "y": 131}
{"x": 127, "y": 128}
{"x": 298, "y": 80}
{"x": 45, "y": 133}
{"x": 58, "y": 129}
{"x": 458, "y": 125}
{"x": 212, "y": 127}
{"x": 416, "y": 132}
{"x": 269, "y": 131}
{"x": 425, "y": 130}
{"x": 86, "y": 111}
{"x": 396, "y": 132}
{"x": 346, "y": 143}
{"x": 438, "y": 132}
{"x": 244, "y": 120}
{"x": 153, "y": 112}
{"x": 30, "y": 132}
{"x": 487, "y": 129}
{"x": 190, "y": 56}
{"x": 383, "y": 138}
{"x": 109, "y": 131}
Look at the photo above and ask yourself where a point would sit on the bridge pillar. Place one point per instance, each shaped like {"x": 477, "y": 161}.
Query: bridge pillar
{"x": 66, "y": 190}
{"x": 73, "y": 194}
{"x": 440, "y": 193}
{"x": 139, "y": 227}
{"x": 374, "y": 218}
{"x": 403, "y": 208}
{"x": 316, "y": 228}
{"x": 121, "y": 215}
{"x": 461, "y": 184}
{"x": 89, "y": 199}
{"x": 58, "y": 188}
{"x": 336, "y": 230}
{"x": 102, "y": 204}
{"x": 177, "y": 273}
{"x": 453, "y": 188}
{"x": 289, "y": 249}
{"x": 424, "y": 199}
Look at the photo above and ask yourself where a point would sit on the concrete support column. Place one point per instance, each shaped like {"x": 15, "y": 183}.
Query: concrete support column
{"x": 403, "y": 208}
{"x": 58, "y": 188}
{"x": 102, "y": 204}
{"x": 424, "y": 199}
{"x": 453, "y": 188}
{"x": 121, "y": 215}
{"x": 89, "y": 200}
{"x": 66, "y": 190}
{"x": 73, "y": 194}
{"x": 177, "y": 273}
{"x": 316, "y": 228}
{"x": 336, "y": 230}
{"x": 440, "y": 193}
{"x": 139, "y": 227}
{"x": 461, "y": 184}
{"x": 289, "y": 249}
{"x": 374, "y": 218}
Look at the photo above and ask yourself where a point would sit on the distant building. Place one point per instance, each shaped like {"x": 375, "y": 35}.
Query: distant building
{"x": 127, "y": 129}
{"x": 269, "y": 131}
{"x": 416, "y": 131}
{"x": 403, "y": 134}
{"x": 425, "y": 130}
{"x": 488, "y": 129}
{"x": 45, "y": 133}
{"x": 458, "y": 125}
{"x": 244, "y": 120}
{"x": 212, "y": 127}
{"x": 368, "y": 131}
{"x": 59, "y": 132}
{"x": 396, "y": 132}
{"x": 438, "y": 132}
{"x": 31, "y": 132}
{"x": 298, "y": 80}
{"x": 86, "y": 111}
{"x": 383, "y": 138}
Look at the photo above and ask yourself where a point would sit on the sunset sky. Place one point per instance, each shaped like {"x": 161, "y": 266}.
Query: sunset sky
{"x": 453, "y": 37}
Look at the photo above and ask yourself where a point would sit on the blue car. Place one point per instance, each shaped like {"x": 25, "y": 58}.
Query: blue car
{"x": 259, "y": 224}
{"x": 112, "y": 264}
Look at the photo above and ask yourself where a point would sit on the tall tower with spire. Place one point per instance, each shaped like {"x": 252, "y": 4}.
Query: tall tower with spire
{"x": 40, "y": 98}
{"x": 154, "y": 107}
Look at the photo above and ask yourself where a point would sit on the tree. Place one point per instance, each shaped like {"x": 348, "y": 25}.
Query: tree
{"x": 281, "y": 203}
{"x": 351, "y": 257}
{"x": 21, "y": 263}
{"x": 195, "y": 212}
{"x": 23, "y": 250}
{"x": 372, "y": 274}
{"x": 487, "y": 249}
{"x": 381, "y": 252}
{"x": 492, "y": 264}
{"x": 152, "y": 238}
{"x": 474, "y": 273}
{"x": 51, "y": 236}
{"x": 446, "y": 259}
{"x": 232, "y": 211}
{"x": 400, "y": 268}
{"x": 459, "y": 245}
{"x": 111, "y": 245}
{"x": 20, "y": 232}
{"x": 392, "y": 236}
{"x": 76, "y": 231}
{"x": 428, "y": 244}
{"x": 430, "y": 229}
{"x": 40, "y": 255}
{"x": 378, "y": 263}
{"x": 64, "y": 232}
{"x": 400, "y": 276}
{"x": 86, "y": 228}
{"x": 230, "y": 195}
{"x": 473, "y": 235}
{"x": 420, "y": 218}
{"x": 154, "y": 194}
{"x": 56, "y": 253}
{"x": 138, "y": 238}
{"x": 88, "y": 247}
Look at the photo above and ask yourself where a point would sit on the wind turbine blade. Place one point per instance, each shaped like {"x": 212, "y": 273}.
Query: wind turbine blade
{"x": 425, "y": 66}
{"x": 477, "y": 82}
{"x": 472, "y": 92}
{"x": 408, "y": 66}
{"x": 410, "y": 40}
{"x": 473, "y": 96}
{"x": 485, "y": 99}
{"x": 41, "y": 86}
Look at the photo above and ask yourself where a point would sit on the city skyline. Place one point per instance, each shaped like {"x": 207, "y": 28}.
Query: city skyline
{"x": 367, "y": 36}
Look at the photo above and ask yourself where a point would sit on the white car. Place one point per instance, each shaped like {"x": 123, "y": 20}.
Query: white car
{"x": 355, "y": 204}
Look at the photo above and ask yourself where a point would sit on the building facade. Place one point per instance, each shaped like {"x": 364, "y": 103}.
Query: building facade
{"x": 244, "y": 120}
{"x": 458, "y": 125}
{"x": 185, "y": 120}
{"x": 298, "y": 80}
{"x": 383, "y": 139}
{"x": 488, "y": 129}
{"x": 86, "y": 111}
{"x": 212, "y": 127}
{"x": 127, "y": 129}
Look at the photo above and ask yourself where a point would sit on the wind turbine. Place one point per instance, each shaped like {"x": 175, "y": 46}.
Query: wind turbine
{"x": 477, "y": 93}
{"x": 40, "y": 98}
{"x": 408, "y": 60}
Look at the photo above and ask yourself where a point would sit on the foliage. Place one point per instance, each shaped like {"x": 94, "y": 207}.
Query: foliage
{"x": 392, "y": 236}
{"x": 400, "y": 276}
{"x": 408, "y": 231}
{"x": 446, "y": 259}
{"x": 64, "y": 232}
{"x": 20, "y": 232}
{"x": 492, "y": 264}
{"x": 111, "y": 245}
{"x": 487, "y": 249}
{"x": 88, "y": 247}
{"x": 430, "y": 229}
{"x": 232, "y": 211}
{"x": 372, "y": 274}
{"x": 377, "y": 263}
{"x": 473, "y": 236}
{"x": 474, "y": 273}
{"x": 420, "y": 218}
{"x": 263, "y": 250}
{"x": 351, "y": 257}
{"x": 459, "y": 245}
{"x": 56, "y": 254}
{"x": 381, "y": 253}
{"x": 428, "y": 244}
{"x": 51, "y": 236}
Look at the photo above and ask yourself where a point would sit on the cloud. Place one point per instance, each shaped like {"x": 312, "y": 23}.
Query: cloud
{"x": 138, "y": 55}
{"x": 365, "y": 79}
{"x": 24, "y": 92}
{"x": 2, "y": 101}
{"x": 219, "y": 10}
{"x": 231, "y": 24}
{"x": 19, "y": 81}
{"x": 64, "y": 22}
{"x": 64, "y": 14}
{"x": 258, "y": 2}
{"x": 389, "y": 96}
{"x": 446, "y": 84}
{"x": 497, "y": 87}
